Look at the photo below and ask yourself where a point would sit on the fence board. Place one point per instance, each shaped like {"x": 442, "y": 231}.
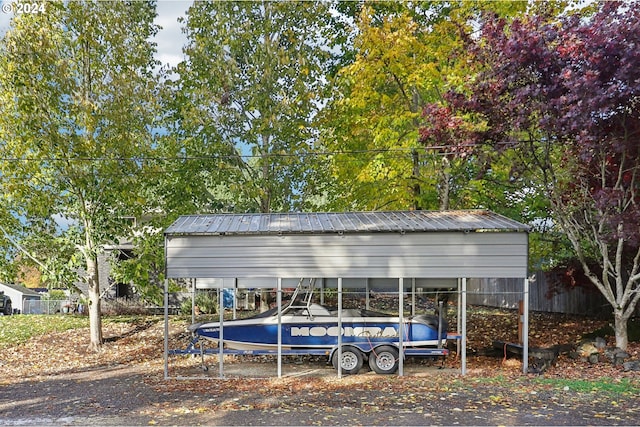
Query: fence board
{"x": 505, "y": 293}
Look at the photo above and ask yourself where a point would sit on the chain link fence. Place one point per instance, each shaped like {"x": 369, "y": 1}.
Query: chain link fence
{"x": 51, "y": 307}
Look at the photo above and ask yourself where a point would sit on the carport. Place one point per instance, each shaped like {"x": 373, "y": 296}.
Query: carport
{"x": 404, "y": 247}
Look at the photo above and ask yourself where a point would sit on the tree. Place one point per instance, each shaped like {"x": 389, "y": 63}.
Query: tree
{"x": 564, "y": 94}
{"x": 404, "y": 57}
{"x": 252, "y": 83}
{"x": 77, "y": 108}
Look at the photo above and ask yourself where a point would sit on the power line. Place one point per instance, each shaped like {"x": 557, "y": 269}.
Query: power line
{"x": 402, "y": 150}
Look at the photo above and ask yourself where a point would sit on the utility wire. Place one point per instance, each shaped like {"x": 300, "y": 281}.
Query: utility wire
{"x": 407, "y": 150}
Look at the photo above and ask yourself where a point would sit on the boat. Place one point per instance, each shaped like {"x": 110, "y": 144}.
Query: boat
{"x": 311, "y": 328}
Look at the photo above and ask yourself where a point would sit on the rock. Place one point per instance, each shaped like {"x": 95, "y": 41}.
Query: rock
{"x": 543, "y": 358}
{"x": 574, "y": 355}
{"x": 600, "y": 343}
{"x": 539, "y": 365}
{"x": 543, "y": 353}
{"x": 632, "y": 365}
{"x": 616, "y": 355}
{"x": 610, "y": 353}
{"x": 586, "y": 349}
{"x": 563, "y": 349}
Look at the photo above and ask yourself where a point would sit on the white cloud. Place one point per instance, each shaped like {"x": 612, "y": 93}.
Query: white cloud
{"x": 5, "y": 15}
{"x": 170, "y": 38}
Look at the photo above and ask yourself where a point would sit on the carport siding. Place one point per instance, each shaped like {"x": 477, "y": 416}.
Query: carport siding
{"x": 393, "y": 255}
{"x": 443, "y": 244}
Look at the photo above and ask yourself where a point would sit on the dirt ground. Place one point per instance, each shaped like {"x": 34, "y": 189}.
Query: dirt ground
{"x": 53, "y": 380}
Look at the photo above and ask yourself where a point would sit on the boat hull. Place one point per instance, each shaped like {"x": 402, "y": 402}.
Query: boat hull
{"x": 302, "y": 332}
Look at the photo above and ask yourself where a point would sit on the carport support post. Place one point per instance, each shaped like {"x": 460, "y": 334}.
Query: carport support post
{"x": 279, "y": 301}
{"x": 221, "y": 335}
{"x": 366, "y": 295}
{"x": 463, "y": 347}
{"x": 193, "y": 301}
{"x": 413, "y": 296}
{"x": 339, "y": 327}
{"x": 400, "y": 327}
{"x": 166, "y": 329}
{"x": 525, "y": 328}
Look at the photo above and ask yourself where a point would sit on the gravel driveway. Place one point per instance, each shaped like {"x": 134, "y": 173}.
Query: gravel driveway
{"x": 129, "y": 395}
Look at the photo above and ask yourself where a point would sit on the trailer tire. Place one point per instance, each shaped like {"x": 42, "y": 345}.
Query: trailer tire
{"x": 384, "y": 360}
{"x": 352, "y": 360}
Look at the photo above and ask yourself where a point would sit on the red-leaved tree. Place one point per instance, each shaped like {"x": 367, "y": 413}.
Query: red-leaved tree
{"x": 565, "y": 94}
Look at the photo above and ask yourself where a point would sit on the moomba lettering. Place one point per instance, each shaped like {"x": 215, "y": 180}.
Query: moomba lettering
{"x": 332, "y": 331}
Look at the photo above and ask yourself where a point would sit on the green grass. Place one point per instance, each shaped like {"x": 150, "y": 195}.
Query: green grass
{"x": 16, "y": 330}
{"x": 606, "y": 386}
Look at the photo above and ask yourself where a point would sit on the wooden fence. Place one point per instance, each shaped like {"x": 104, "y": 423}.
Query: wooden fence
{"x": 506, "y": 293}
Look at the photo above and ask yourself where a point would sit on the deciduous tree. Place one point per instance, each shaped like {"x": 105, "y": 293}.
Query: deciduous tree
{"x": 252, "y": 82}
{"x": 77, "y": 106}
{"x": 405, "y": 55}
{"x": 564, "y": 93}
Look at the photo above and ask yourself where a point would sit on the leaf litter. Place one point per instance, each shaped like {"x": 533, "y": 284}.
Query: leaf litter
{"x": 494, "y": 388}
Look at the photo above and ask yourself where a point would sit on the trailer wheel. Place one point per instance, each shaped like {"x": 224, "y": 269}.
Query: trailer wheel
{"x": 384, "y": 360}
{"x": 352, "y": 360}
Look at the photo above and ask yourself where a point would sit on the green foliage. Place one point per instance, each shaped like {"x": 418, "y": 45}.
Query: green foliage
{"x": 404, "y": 57}
{"x": 252, "y": 81}
{"x": 77, "y": 106}
{"x": 206, "y": 303}
{"x": 55, "y": 295}
{"x": 145, "y": 269}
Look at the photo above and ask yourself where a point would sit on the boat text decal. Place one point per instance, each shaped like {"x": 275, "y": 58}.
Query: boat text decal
{"x": 332, "y": 331}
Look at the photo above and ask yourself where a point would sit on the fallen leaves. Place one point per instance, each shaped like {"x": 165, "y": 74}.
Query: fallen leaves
{"x": 493, "y": 392}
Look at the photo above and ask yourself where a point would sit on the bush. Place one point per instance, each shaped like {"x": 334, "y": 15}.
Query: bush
{"x": 206, "y": 303}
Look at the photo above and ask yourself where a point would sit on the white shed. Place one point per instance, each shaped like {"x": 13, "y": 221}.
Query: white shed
{"x": 19, "y": 296}
{"x": 401, "y": 246}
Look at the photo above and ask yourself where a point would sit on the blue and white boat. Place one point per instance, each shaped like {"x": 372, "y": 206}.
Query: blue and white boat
{"x": 314, "y": 329}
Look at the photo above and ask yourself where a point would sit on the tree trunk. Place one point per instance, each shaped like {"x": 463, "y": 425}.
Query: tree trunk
{"x": 417, "y": 203}
{"x": 95, "y": 319}
{"x": 620, "y": 328}
{"x": 444, "y": 187}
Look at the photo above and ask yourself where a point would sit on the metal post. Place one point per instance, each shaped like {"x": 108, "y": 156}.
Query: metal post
{"x": 400, "y": 327}
{"x": 525, "y": 328}
{"x": 279, "y": 301}
{"x": 440, "y": 316}
{"x": 463, "y": 344}
{"x": 221, "y": 336}
{"x": 235, "y": 297}
{"x": 166, "y": 329}
{"x": 413, "y": 296}
{"x": 193, "y": 301}
{"x": 367, "y": 302}
{"x": 458, "y": 318}
{"x": 339, "y": 327}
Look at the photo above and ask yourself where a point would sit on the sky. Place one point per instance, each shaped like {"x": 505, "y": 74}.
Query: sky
{"x": 169, "y": 40}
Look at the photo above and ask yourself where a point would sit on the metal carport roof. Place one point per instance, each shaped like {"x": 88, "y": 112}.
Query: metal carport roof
{"x": 343, "y": 222}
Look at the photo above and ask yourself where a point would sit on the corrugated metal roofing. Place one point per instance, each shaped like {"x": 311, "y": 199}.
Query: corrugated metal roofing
{"x": 343, "y": 222}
